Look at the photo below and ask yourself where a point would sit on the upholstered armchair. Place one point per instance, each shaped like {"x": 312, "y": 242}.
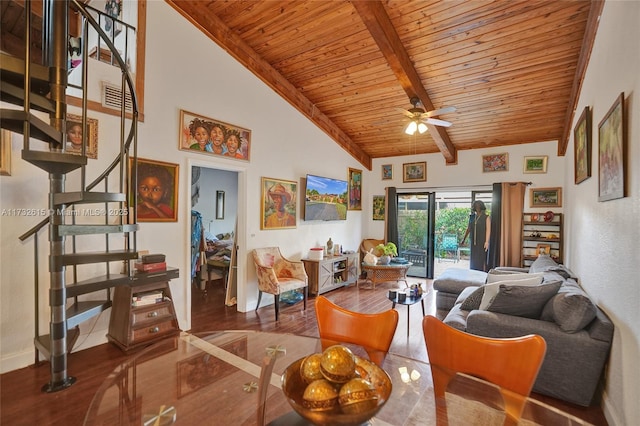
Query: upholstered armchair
{"x": 277, "y": 275}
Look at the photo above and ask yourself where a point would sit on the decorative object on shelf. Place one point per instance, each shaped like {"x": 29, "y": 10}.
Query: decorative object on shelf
{"x": 495, "y": 162}
{"x": 74, "y": 136}
{"x": 611, "y": 152}
{"x": 387, "y": 171}
{"x": 414, "y": 172}
{"x": 545, "y": 197}
{"x": 534, "y": 217}
{"x": 329, "y": 246}
{"x": 548, "y": 216}
{"x": 157, "y": 190}
{"x": 582, "y": 146}
{"x": 535, "y": 164}
{"x": 278, "y": 207}
{"x": 354, "y": 181}
{"x": 213, "y": 137}
{"x": 378, "y": 207}
{"x": 543, "y": 249}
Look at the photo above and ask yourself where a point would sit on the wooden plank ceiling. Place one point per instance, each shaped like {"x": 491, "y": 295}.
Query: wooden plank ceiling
{"x": 511, "y": 68}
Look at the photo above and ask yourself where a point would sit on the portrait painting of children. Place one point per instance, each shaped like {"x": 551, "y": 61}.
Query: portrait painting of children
{"x": 213, "y": 137}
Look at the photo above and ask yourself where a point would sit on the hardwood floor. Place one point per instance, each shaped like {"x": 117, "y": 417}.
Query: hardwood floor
{"x": 23, "y": 402}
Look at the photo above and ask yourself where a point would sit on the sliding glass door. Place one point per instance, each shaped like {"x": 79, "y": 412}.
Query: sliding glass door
{"x": 416, "y": 218}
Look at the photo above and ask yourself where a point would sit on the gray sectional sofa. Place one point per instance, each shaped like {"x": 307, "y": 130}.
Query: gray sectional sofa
{"x": 578, "y": 334}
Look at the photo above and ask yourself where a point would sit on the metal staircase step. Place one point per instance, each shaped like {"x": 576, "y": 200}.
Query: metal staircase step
{"x": 54, "y": 162}
{"x": 12, "y": 70}
{"x": 43, "y": 343}
{"x": 95, "y": 229}
{"x": 13, "y": 119}
{"x": 92, "y": 257}
{"x": 85, "y": 197}
{"x": 114, "y": 280}
{"x": 82, "y": 311}
{"x": 15, "y": 95}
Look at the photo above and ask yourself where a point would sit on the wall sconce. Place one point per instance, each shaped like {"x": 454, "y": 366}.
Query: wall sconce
{"x": 219, "y": 204}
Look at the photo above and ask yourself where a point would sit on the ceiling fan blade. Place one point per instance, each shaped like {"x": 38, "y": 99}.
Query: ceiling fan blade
{"x": 437, "y": 122}
{"x": 445, "y": 110}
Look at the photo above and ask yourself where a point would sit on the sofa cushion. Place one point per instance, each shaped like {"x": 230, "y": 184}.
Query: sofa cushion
{"x": 542, "y": 264}
{"x": 571, "y": 308}
{"x": 472, "y": 301}
{"x": 491, "y": 289}
{"x": 523, "y": 301}
{"x": 493, "y": 277}
{"x": 454, "y": 280}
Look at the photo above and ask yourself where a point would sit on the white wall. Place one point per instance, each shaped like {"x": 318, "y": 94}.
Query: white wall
{"x": 602, "y": 244}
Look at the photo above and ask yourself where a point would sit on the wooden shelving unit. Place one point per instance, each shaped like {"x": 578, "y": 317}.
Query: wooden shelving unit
{"x": 538, "y": 233}
{"x": 331, "y": 272}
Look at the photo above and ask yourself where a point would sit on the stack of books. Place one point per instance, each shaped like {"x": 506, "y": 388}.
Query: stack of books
{"x": 151, "y": 263}
{"x": 148, "y": 298}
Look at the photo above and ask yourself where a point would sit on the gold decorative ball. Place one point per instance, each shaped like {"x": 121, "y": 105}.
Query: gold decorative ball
{"x": 320, "y": 395}
{"x": 357, "y": 396}
{"x": 310, "y": 368}
{"x": 338, "y": 364}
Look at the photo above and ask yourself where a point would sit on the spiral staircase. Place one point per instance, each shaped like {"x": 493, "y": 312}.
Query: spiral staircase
{"x": 40, "y": 89}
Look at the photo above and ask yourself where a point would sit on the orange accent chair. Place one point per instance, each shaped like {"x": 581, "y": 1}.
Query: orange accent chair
{"x": 373, "y": 332}
{"x": 277, "y": 274}
{"x": 510, "y": 363}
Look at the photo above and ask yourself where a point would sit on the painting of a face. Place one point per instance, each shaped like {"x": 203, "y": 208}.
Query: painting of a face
{"x": 151, "y": 189}
{"x": 74, "y": 134}
{"x": 217, "y": 136}
{"x": 232, "y": 143}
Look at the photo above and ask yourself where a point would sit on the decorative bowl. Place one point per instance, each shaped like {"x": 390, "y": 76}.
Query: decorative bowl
{"x": 534, "y": 217}
{"x": 548, "y": 216}
{"x": 294, "y": 387}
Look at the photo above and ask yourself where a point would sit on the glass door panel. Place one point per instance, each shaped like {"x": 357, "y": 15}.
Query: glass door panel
{"x": 416, "y": 212}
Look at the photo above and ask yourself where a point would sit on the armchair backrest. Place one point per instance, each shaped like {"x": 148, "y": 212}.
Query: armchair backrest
{"x": 367, "y": 244}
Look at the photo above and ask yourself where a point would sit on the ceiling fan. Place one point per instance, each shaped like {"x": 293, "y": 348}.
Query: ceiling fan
{"x": 419, "y": 117}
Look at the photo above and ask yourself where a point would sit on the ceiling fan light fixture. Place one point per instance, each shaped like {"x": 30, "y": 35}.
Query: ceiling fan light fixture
{"x": 411, "y": 128}
{"x": 422, "y": 128}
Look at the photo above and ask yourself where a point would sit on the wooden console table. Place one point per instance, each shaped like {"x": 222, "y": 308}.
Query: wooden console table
{"x": 384, "y": 273}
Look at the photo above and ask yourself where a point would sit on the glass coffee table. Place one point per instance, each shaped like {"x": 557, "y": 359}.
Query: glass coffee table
{"x": 408, "y": 301}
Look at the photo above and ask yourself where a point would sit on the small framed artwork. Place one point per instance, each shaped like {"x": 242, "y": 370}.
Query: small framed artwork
{"x": 355, "y": 189}
{"x": 545, "y": 197}
{"x": 213, "y": 137}
{"x": 543, "y": 249}
{"x": 387, "y": 171}
{"x": 278, "y": 207}
{"x": 611, "y": 152}
{"x": 5, "y": 153}
{"x": 582, "y": 147}
{"x": 414, "y": 172}
{"x": 219, "y": 205}
{"x": 535, "y": 164}
{"x": 378, "y": 207}
{"x": 157, "y": 190}
{"x": 495, "y": 162}
{"x": 74, "y": 136}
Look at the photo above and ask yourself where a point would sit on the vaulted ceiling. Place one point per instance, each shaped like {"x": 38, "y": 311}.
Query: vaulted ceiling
{"x": 511, "y": 68}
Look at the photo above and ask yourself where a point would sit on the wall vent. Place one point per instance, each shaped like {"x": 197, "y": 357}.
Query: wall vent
{"x": 112, "y": 97}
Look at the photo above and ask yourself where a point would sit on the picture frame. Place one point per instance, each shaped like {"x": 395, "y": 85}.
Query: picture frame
{"x": 611, "y": 152}
{"x": 153, "y": 178}
{"x": 545, "y": 197}
{"x": 387, "y": 171}
{"x": 74, "y": 136}
{"x": 203, "y": 369}
{"x": 378, "y": 207}
{"x": 582, "y": 147}
{"x": 214, "y": 137}
{"x": 495, "y": 162}
{"x": 543, "y": 249}
{"x": 414, "y": 172}
{"x": 5, "y": 153}
{"x": 278, "y": 207}
{"x": 219, "y": 205}
{"x": 354, "y": 188}
{"x": 535, "y": 164}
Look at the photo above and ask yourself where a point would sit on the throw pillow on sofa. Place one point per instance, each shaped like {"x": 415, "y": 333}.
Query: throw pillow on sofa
{"x": 495, "y": 277}
{"x": 491, "y": 288}
{"x": 572, "y": 309}
{"x": 523, "y": 301}
{"x": 472, "y": 302}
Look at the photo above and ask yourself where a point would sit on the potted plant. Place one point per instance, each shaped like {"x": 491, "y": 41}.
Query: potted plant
{"x": 389, "y": 249}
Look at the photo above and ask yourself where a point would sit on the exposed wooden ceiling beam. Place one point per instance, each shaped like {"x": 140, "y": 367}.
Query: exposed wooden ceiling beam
{"x": 217, "y": 31}
{"x": 383, "y": 32}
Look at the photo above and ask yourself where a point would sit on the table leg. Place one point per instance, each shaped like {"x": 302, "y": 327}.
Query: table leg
{"x": 422, "y": 302}
{"x": 408, "y": 306}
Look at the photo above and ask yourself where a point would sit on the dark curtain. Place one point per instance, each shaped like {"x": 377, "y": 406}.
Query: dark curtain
{"x": 493, "y": 257}
{"x": 391, "y": 216}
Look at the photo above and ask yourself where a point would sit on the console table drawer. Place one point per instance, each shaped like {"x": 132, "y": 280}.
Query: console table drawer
{"x": 152, "y": 331}
{"x": 150, "y": 313}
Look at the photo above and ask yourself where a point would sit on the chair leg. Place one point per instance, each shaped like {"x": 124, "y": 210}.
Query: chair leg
{"x": 276, "y": 303}
{"x": 304, "y": 297}
{"x": 259, "y": 298}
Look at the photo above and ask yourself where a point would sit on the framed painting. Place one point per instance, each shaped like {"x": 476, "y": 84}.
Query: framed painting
{"x": 414, "y": 172}
{"x": 5, "y": 153}
{"x": 543, "y": 249}
{"x": 535, "y": 164}
{"x": 74, "y": 136}
{"x": 495, "y": 162}
{"x": 156, "y": 190}
{"x": 278, "y": 207}
{"x": 387, "y": 171}
{"x": 545, "y": 197}
{"x": 611, "y": 152}
{"x": 355, "y": 189}
{"x": 378, "y": 207}
{"x": 582, "y": 147}
{"x": 213, "y": 137}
